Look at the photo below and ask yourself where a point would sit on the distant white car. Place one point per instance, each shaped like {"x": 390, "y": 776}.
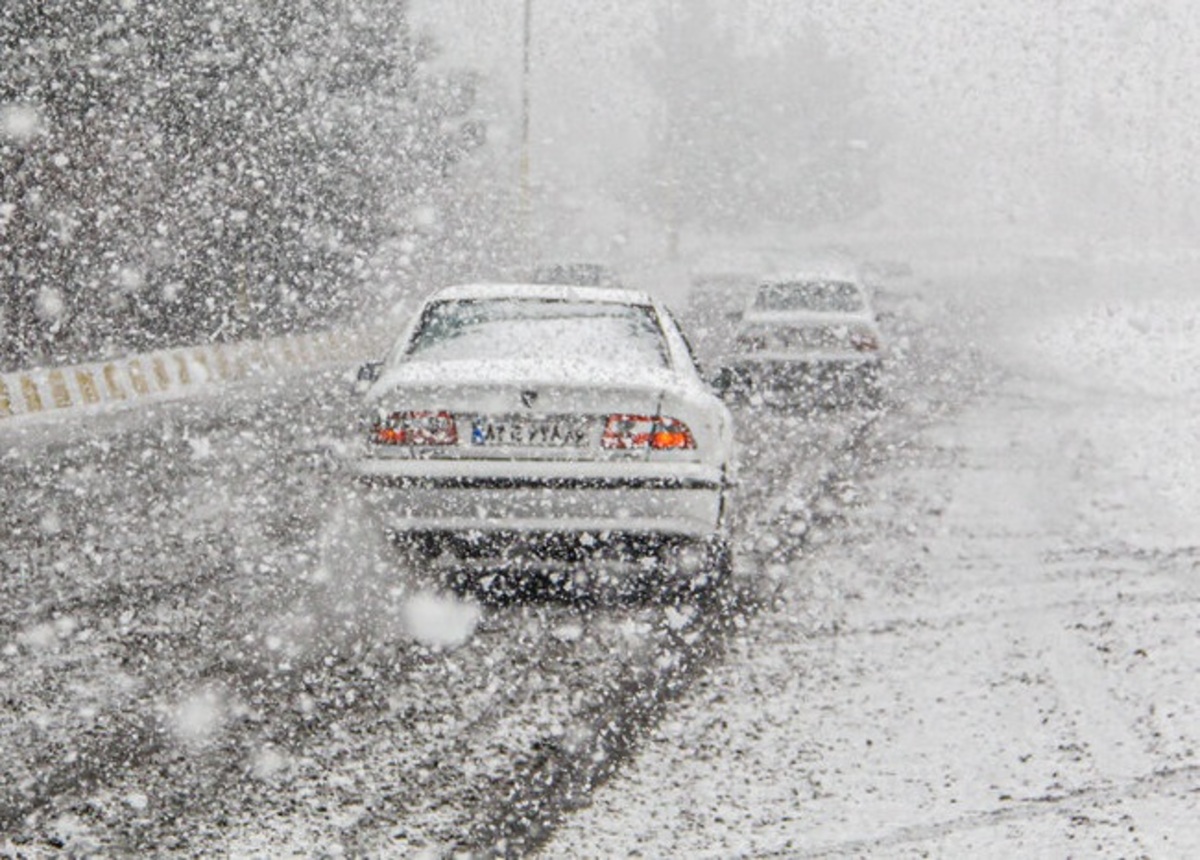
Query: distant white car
{"x": 577, "y": 273}
{"x": 549, "y": 419}
{"x": 807, "y": 334}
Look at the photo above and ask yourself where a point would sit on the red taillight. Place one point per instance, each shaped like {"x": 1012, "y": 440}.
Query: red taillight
{"x": 864, "y": 340}
{"x": 416, "y": 428}
{"x": 628, "y": 432}
{"x": 671, "y": 435}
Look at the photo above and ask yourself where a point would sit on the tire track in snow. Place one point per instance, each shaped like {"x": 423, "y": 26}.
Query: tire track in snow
{"x": 535, "y": 777}
{"x": 1184, "y": 780}
{"x": 523, "y": 809}
{"x": 167, "y": 572}
{"x": 1035, "y": 613}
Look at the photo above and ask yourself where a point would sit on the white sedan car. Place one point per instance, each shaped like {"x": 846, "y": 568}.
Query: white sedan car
{"x": 555, "y": 420}
{"x": 805, "y": 335}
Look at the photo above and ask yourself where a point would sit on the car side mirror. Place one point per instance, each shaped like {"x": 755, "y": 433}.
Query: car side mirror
{"x": 366, "y": 375}
{"x": 731, "y": 384}
{"x": 721, "y": 381}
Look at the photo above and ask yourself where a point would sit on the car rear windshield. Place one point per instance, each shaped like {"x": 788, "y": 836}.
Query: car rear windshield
{"x": 828, "y": 296}
{"x": 579, "y": 274}
{"x": 540, "y": 329}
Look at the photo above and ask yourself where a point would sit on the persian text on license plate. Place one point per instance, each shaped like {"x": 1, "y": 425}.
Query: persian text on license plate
{"x": 520, "y": 432}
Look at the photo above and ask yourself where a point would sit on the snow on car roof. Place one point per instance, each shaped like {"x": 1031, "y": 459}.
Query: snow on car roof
{"x": 552, "y": 292}
{"x": 831, "y": 271}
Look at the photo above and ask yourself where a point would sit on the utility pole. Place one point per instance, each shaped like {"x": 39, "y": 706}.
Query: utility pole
{"x": 672, "y": 170}
{"x": 526, "y": 122}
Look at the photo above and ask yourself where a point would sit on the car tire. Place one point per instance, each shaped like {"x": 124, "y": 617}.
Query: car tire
{"x": 870, "y": 388}
{"x": 720, "y": 560}
{"x": 715, "y": 572}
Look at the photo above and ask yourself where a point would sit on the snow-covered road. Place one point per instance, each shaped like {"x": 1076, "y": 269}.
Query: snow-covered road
{"x": 998, "y": 656}
{"x": 208, "y": 648}
{"x": 967, "y": 622}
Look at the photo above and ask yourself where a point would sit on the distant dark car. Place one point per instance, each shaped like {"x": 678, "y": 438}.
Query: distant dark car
{"x": 804, "y": 335}
{"x": 575, "y": 274}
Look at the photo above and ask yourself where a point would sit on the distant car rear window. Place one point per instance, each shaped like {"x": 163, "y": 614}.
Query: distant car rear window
{"x": 540, "y": 329}
{"x": 828, "y": 296}
{"x": 579, "y": 274}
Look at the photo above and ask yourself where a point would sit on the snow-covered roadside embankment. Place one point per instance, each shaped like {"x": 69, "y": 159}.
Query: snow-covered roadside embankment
{"x": 172, "y": 373}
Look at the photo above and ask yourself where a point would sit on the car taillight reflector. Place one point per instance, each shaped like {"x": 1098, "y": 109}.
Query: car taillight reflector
{"x": 416, "y": 428}
{"x": 864, "y": 340}
{"x": 657, "y": 432}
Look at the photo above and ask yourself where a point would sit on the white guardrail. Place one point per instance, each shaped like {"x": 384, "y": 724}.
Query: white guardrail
{"x": 173, "y": 372}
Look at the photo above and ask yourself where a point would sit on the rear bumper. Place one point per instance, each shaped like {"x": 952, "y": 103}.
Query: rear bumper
{"x": 803, "y": 371}
{"x": 676, "y": 499}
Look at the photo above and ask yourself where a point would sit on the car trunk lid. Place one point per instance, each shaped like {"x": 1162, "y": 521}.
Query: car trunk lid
{"x": 516, "y": 409}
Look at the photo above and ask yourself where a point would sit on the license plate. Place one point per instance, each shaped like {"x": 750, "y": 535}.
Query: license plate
{"x": 523, "y": 432}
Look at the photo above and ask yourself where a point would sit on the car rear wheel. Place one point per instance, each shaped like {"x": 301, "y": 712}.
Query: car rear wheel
{"x": 870, "y": 387}
{"x": 697, "y": 570}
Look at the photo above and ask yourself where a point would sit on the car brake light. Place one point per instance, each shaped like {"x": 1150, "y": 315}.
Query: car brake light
{"x": 864, "y": 340}
{"x": 659, "y": 433}
{"x": 416, "y": 428}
